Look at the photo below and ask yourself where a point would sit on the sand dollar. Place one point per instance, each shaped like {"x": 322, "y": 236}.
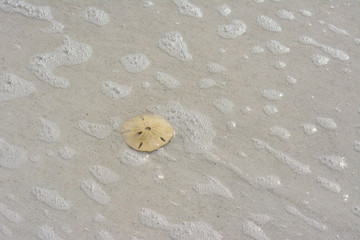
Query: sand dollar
{"x": 147, "y": 132}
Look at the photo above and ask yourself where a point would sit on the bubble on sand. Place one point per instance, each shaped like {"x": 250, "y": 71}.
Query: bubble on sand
{"x": 280, "y": 65}
{"x": 254, "y": 231}
{"x": 329, "y": 185}
{"x": 224, "y": 10}
{"x": 11, "y": 157}
{"x": 312, "y": 222}
{"x": 223, "y": 105}
{"x": 276, "y": 47}
{"x": 319, "y": 60}
{"x": 270, "y": 109}
{"x": 51, "y": 197}
{"x": 333, "y": 161}
{"x": 305, "y": 13}
{"x": 213, "y": 187}
{"x": 96, "y": 130}
{"x": 206, "y": 83}
{"x": 309, "y": 128}
{"x": 291, "y": 79}
{"x": 13, "y": 87}
{"x": 50, "y": 132}
{"x": 66, "y": 152}
{"x": 285, "y": 14}
{"x": 272, "y": 94}
{"x": 327, "y": 123}
{"x": 103, "y": 174}
{"x": 46, "y": 232}
{"x": 233, "y": 30}
{"x": 135, "y": 63}
{"x": 173, "y": 44}
{"x": 280, "y": 132}
{"x": 95, "y": 192}
{"x": 133, "y": 158}
{"x": 187, "y": 8}
{"x": 32, "y": 11}
{"x": 10, "y": 215}
{"x": 256, "y": 49}
{"x": 115, "y": 91}
{"x": 71, "y": 53}
{"x": 166, "y": 80}
{"x": 215, "y": 68}
{"x": 103, "y": 235}
{"x": 267, "y": 182}
{"x": 95, "y": 16}
{"x": 268, "y": 23}
{"x": 194, "y": 231}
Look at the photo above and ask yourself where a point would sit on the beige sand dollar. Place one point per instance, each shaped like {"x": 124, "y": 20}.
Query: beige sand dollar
{"x": 147, "y": 132}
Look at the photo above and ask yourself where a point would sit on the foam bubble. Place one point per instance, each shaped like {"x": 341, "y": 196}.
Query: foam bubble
{"x": 319, "y": 60}
{"x": 94, "y": 129}
{"x": 135, "y": 63}
{"x": 276, "y": 47}
{"x": 213, "y": 187}
{"x": 309, "y": 128}
{"x": 134, "y": 158}
{"x": 268, "y": 23}
{"x": 71, "y": 53}
{"x": 6, "y": 231}
{"x": 254, "y": 231}
{"x": 337, "y": 30}
{"x": 153, "y": 219}
{"x": 296, "y": 166}
{"x": 10, "y": 215}
{"x": 166, "y": 80}
{"x": 195, "y": 128}
{"x": 66, "y": 152}
{"x": 305, "y": 13}
{"x": 194, "y": 231}
{"x": 329, "y": 185}
{"x": 187, "y": 8}
{"x": 285, "y": 14}
{"x": 51, "y": 197}
{"x": 312, "y": 222}
{"x": 327, "y": 123}
{"x": 13, "y": 87}
{"x": 148, "y": 4}
{"x": 224, "y": 10}
{"x": 291, "y": 79}
{"x": 272, "y": 94}
{"x": 98, "y": 217}
{"x": 215, "y": 68}
{"x": 223, "y": 105}
{"x": 103, "y": 235}
{"x": 333, "y": 52}
{"x": 260, "y": 219}
{"x": 32, "y": 11}
{"x": 95, "y": 192}
{"x": 50, "y": 132}
{"x": 256, "y": 49}
{"x": 115, "y": 91}
{"x": 280, "y": 132}
{"x": 267, "y": 182}
{"x": 206, "y": 83}
{"x": 357, "y": 145}
{"x": 231, "y": 125}
{"x": 103, "y": 174}
{"x": 280, "y": 65}
{"x": 46, "y": 232}
{"x": 233, "y": 30}
{"x": 95, "y": 16}
{"x": 334, "y": 161}
{"x": 11, "y": 157}
{"x": 173, "y": 44}
{"x": 270, "y": 109}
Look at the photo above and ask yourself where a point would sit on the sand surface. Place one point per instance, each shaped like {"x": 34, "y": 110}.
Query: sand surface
{"x": 264, "y": 98}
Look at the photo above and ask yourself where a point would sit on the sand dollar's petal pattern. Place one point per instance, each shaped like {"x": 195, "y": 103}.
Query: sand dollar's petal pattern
{"x": 147, "y": 133}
